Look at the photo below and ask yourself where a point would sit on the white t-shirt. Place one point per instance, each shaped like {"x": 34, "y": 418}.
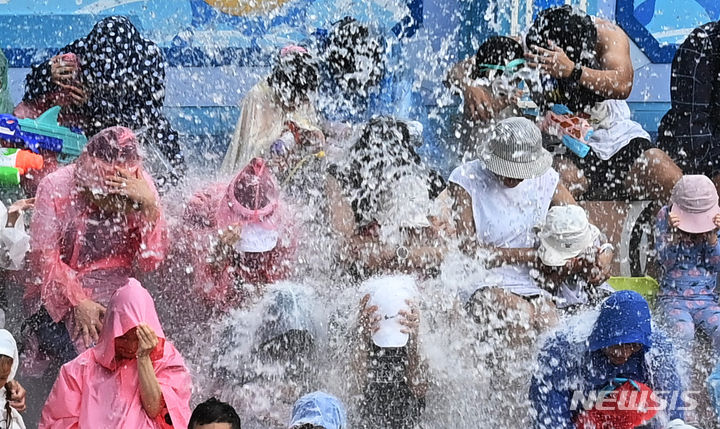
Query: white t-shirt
{"x": 505, "y": 217}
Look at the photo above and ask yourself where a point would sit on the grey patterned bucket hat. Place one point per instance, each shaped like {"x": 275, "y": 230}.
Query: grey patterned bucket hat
{"x": 515, "y": 150}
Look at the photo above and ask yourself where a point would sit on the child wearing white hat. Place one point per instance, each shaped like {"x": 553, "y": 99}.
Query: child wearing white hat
{"x": 573, "y": 264}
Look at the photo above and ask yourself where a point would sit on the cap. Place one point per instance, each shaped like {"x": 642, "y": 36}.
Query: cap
{"x": 565, "y": 234}
{"x": 695, "y": 201}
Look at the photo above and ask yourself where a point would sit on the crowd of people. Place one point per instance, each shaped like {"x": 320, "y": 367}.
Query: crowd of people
{"x": 334, "y": 158}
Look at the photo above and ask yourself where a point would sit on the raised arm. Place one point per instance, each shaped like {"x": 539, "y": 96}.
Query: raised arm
{"x": 614, "y": 78}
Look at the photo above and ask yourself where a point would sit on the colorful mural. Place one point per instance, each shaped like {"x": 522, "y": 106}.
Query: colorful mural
{"x": 659, "y": 26}
{"x": 194, "y": 32}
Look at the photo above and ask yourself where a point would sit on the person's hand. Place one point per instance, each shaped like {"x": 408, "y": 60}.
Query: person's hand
{"x": 553, "y": 61}
{"x": 600, "y": 270}
{"x": 147, "y": 340}
{"x": 368, "y": 320}
{"x": 136, "y": 188}
{"x": 77, "y": 94}
{"x": 62, "y": 71}
{"x": 88, "y": 321}
{"x": 230, "y": 235}
{"x": 17, "y": 208}
{"x": 17, "y": 395}
{"x": 411, "y": 322}
{"x": 481, "y": 105}
{"x": 674, "y": 221}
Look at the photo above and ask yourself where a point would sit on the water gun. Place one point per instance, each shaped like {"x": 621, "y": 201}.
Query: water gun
{"x": 43, "y": 133}
{"x": 9, "y": 176}
{"x": 22, "y": 160}
{"x": 571, "y": 129}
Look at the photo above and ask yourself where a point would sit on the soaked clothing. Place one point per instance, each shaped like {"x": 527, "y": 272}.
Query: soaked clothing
{"x": 690, "y": 131}
{"x": 6, "y": 103}
{"x": 684, "y": 316}
{"x": 617, "y": 142}
{"x": 124, "y": 76}
{"x": 506, "y": 217}
{"x": 387, "y": 400}
{"x": 572, "y": 361}
{"x": 687, "y": 297}
{"x": 689, "y": 271}
{"x": 219, "y": 206}
{"x": 68, "y": 254}
{"x": 98, "y": 390}
{"x": 263, "y": 120}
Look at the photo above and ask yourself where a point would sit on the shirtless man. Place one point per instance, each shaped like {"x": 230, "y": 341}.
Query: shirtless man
{"x": 585, "y": 64}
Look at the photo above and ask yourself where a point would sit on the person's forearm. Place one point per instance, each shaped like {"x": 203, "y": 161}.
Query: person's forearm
{"x": 612, "y": 84}
{"x": 501, "y": 256}
{"x": 426, "y": 257}
{"x": 150, "y": 393}
{"x": 416, "y": 372}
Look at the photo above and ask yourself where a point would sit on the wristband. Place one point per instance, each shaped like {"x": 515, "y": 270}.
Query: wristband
{"x": 576, "y": 73}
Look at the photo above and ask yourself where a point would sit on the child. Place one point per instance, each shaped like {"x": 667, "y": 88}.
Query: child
{"x": 686, "y": 239}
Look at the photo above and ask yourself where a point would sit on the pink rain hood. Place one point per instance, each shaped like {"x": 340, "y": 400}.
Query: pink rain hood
{"x": 96, "y": 391}
{"x": 252, "y": 197}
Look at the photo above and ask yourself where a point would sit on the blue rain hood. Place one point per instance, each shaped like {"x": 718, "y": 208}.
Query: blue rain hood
{"x": 319, "y": 409}
{"x": 624, "y": 318}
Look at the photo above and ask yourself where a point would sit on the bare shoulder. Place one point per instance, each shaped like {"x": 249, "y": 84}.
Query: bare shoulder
{"x": 610, "y": 35}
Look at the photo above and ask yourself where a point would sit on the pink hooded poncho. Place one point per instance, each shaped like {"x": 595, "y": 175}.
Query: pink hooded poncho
{"x": 251, "y": 199}
{"x": 78, "y": 250}
{"x": 96, "y": 391}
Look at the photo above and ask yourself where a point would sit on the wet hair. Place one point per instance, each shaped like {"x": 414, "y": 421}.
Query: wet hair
{"x": 349, "y": 39}
{"x": 384, "y": 146}
{"x": 497, "y": 50}
{"x": 569, "y": 28}
{"x": 384, "y": 153}
{"x": 295, "y": 73}
{"x": 214, "y": 411}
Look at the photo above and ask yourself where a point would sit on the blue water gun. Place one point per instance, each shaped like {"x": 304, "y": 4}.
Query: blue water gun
{"x": 572, "y": 130}
{"x": 43, "y": 133}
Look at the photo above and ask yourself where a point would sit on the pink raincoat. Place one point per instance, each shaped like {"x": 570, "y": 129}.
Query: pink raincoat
{"x": 96, "y": 391}
{"x": 79, "y": 251}
{"x": 252, "y": 198}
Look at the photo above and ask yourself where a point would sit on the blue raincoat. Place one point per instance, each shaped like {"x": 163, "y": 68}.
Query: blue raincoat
{"x": 319, "y": 409}
{"x": 573, "y": 364}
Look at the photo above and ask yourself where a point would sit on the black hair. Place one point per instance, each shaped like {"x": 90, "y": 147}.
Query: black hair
{"x": 571, "y": 29}
{"x": 347, "y": 40}
{"x": 497, "y": 50}
{"x": 214, "y": 411}
{"x": 295, "y": 73}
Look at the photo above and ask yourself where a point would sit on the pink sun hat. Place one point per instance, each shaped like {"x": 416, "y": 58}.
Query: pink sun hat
{"x": 695, "y": 201}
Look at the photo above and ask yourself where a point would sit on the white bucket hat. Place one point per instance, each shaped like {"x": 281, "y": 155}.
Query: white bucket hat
{"x": 565, "y": 234}
{"x": 515, "y": 150}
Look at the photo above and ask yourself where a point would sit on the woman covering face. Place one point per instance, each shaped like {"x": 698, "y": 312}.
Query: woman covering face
{"x": 133, "y": 377}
